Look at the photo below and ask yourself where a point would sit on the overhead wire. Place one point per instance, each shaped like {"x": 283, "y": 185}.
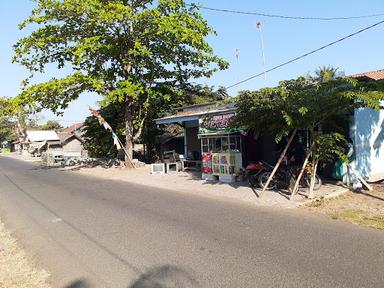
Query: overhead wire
{"x": 287, "y": 16}
{"x": 306, "y": 54}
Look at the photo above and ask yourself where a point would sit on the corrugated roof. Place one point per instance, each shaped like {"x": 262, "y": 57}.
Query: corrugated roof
{"x": 374, "y": 75}
{"x": 36, "y": 136}
{"x": 191, "y": 116}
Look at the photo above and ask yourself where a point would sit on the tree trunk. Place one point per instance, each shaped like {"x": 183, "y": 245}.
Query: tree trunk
{"x": 315, "y": 162}
{"x": 20, "y": 130}
{"x": 278, "y": 162}
{"x": 128, "y": 120}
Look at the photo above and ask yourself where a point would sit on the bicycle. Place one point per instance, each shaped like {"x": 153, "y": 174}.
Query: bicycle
{"x": 285, "y": 178}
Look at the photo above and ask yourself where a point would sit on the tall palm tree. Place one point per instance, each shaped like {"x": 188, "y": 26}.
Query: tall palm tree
{"x": 327, "y": 73}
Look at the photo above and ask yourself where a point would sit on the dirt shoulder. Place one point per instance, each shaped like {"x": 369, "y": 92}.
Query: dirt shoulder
{"x": 16, "y": 269}
{"x": 362, "y": 208}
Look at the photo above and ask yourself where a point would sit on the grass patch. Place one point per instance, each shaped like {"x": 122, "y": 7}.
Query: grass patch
{"x": 15, "y": 268}
{"x": 360, "y": 217}
{"x": 316, "y": 203}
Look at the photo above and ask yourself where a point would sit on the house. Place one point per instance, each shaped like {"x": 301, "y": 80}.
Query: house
{"x": 209, "y": 140}
{"x": 67, "y": 143}
{"x": 71, "y": 141}
{"x": 71, "y": 144}
{"x": 367, "y": 134}
{"x": 208, "y": 136}
{"x": 36, "y": 142}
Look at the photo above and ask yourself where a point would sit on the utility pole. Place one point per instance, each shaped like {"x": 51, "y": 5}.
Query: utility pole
{"x": 259, "y": 28}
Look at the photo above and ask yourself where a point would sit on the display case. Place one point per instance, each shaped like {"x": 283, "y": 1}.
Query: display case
{"x": 226, "y": 164}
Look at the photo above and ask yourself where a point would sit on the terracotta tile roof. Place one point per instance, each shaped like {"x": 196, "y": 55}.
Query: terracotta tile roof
{"x": 64, "y": 135}
{"x": 374, "y": 75}
{"x": 73, "y": 128}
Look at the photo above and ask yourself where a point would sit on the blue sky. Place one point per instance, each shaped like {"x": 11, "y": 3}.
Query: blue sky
{"x": 283, "y": 40}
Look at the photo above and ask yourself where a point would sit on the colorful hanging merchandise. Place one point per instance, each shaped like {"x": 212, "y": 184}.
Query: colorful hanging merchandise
{"x": 116, "y": 141}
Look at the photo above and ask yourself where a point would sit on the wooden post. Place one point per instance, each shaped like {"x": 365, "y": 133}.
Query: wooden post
{"x": 360, "y": 178}
{"x": 313, "y": 178}
{"x": 278, "y": 162}
{"x": 348, "y": 176}
{"x": 296, "y": 187}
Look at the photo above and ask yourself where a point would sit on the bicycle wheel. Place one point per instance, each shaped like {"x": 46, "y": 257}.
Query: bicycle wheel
{"x": 263, "y": 178}
{"x": 307, "y": 181}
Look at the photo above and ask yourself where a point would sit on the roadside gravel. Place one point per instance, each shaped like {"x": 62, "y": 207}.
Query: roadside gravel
{"x": 16, "y": 269}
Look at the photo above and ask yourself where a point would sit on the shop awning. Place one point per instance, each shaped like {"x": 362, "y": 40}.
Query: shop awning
{"x": 222, "y": 133}
{"x": 176, "y": 119}
{"x": 191, "y": 116}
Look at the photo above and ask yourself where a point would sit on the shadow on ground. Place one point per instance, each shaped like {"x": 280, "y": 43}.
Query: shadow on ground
{"x": 78, "y": 284}
{"x": 369, "y": 195}
{"x": 166, "y": 276}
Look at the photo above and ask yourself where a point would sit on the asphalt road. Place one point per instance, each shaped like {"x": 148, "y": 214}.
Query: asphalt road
{"x": 94, "y": 233}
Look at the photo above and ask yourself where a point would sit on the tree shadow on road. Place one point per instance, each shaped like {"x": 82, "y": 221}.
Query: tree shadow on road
{"x": 166, "y": 276}
{"x": 78, "y": 284}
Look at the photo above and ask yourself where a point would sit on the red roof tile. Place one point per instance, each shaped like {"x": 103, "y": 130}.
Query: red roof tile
{"x": 375, "y": 75}
{"x": 73, "y": 128}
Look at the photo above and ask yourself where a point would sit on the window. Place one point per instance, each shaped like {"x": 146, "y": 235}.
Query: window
{"x": 221, "y": 143}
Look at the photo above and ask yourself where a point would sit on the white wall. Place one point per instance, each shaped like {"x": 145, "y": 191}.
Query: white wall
{"x": 368, "y": 136}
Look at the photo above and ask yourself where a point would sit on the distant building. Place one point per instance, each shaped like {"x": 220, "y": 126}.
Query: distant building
{"x": 72, "y": 141}
{"x": 36, "y": 142}
{"x": 72, "y": 145}
{"x": 67, "y": 143}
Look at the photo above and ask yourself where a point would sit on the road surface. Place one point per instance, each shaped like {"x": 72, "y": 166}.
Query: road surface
{"x": 89, "y": 232}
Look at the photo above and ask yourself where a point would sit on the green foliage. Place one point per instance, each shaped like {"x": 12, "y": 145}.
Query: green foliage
{"x": 304, "y": 103}
{"x": 15, "y": 119}
{"x": 51, "y": 125}
{"x": 7, "y": 129}
{"x": 98, "y": 141}
{"x": 327, "y": 73}
{"x": 260, "y": 111}
{"x": 7, "y": 107}
{"x": 328, "y": 147}
{"x": 126, "y": 51}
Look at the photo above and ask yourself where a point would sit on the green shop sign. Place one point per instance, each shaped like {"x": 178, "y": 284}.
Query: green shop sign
{"x": 217, "y": 123}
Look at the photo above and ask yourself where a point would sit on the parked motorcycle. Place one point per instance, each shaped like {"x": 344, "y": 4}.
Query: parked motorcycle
{"x": 253, "y": 171}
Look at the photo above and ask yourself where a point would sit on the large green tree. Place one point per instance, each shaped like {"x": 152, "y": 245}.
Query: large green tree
{"x": 121, "y": 49}
{"x": 10, "y": 126}
{"x": 99, "y": 142}
{"x": 7, "y": 129}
